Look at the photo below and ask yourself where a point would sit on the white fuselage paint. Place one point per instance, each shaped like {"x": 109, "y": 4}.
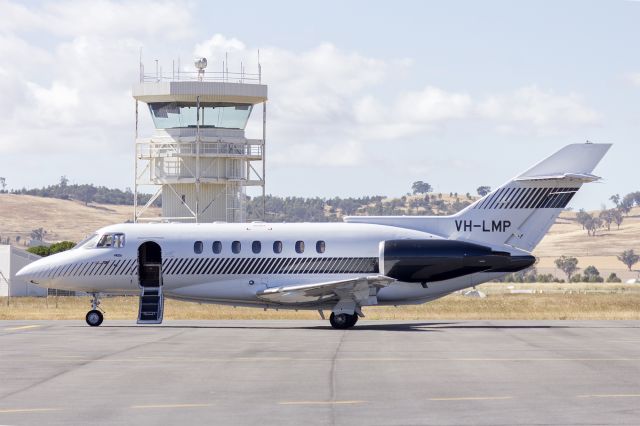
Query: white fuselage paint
{"x": 351, "y": 251}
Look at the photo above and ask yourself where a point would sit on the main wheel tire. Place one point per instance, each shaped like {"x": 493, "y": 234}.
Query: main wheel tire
{"x": 343, "y": 321}
{"x": 353, "y": 320}
{"x": 94, "y": 318}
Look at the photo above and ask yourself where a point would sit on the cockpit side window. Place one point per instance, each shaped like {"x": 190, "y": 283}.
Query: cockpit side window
{"x": 111, "y": 240}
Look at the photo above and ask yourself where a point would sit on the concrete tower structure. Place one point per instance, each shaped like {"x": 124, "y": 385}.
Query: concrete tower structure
{"x": 198, "y": 155}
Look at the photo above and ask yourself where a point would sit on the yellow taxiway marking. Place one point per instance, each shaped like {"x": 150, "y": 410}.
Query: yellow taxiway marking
{"x": 622, "y": 395}
{"x": 171, "y": 406}
{"x": 22, "y": 327}
{"x": 319, "y": 402}
{"x": 471, "y": 398}
{"x": 28, "y": 410}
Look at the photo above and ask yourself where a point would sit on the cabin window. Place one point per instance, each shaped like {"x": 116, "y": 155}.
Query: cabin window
{"x": 320, "y": 246}
{"x": 111, "y": 240}
{"x": 236, "y": 247}
{"x": 216, "y": 247}
{"x": 299, "y": 246}
{"x": 277, "y": 246}
{"x": 256, "y": 246}
{"x": 197, "y": 247}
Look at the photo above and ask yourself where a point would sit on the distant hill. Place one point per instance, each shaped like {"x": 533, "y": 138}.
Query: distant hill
{"x": 61, "y": 219}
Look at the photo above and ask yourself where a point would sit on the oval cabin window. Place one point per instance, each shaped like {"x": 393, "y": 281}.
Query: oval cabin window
{"x": 256, "y": 246}
{"x": 197, "y": 247}
{"x": 320, "y": 246}
{"x": 216, "y": 247}
{"x": 236, "y": 247}
{"x": 299, "y": 246}
{"x": 277, "y": 246}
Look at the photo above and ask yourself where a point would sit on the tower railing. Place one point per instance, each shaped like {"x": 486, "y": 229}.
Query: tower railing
{"x": 220, "y": 76}
{"x": 147, "y": 149}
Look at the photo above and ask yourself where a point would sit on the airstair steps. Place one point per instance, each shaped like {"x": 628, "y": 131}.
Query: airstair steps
{"x": 151, "y": 306}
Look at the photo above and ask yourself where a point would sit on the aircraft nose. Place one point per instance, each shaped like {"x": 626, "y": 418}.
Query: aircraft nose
{"x": 29, "y": 273}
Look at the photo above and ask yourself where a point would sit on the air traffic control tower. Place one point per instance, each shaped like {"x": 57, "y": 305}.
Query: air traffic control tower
{"x": 198, "y": 158}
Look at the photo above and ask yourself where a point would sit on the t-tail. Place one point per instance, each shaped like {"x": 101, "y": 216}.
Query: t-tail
{"x": 518, "y": 213}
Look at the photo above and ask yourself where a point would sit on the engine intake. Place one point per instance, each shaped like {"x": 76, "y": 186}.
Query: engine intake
{"x": 438, "y": 260}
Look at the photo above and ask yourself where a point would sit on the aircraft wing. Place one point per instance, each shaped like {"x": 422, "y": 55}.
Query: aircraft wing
{"x": 361, "y": 290}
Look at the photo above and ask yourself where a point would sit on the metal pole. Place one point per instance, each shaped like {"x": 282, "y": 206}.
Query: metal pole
{"x": 198, "y": 159}
{"x": 135, "y": 170}
{"x": 264, "y": 159}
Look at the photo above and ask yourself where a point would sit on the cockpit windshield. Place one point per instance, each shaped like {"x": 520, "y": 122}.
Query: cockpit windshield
{"x": 107, "y": 240}
{"x": 88, "y": 242}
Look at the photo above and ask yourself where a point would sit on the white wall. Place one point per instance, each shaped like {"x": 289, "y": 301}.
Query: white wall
{"x": 11, "y": 261}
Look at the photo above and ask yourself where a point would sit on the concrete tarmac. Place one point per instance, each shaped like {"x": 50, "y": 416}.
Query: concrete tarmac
{"x": 304, "y": 372}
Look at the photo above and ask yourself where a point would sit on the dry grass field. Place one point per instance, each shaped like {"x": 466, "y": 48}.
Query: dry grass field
{"x": 575, "y": 306}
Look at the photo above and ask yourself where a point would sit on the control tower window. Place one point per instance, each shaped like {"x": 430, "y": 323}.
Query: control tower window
{"x": 171, "y": 115}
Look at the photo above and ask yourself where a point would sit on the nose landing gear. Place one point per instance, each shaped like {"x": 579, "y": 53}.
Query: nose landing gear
{"x": 94, "y": 317}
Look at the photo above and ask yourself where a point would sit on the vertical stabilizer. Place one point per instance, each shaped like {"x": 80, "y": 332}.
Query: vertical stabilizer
{"x": 520, "y": 212}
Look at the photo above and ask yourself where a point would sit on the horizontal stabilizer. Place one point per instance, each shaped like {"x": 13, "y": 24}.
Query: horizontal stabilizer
{"x": 575, "y": 177}
{"x": 574, "y": 159}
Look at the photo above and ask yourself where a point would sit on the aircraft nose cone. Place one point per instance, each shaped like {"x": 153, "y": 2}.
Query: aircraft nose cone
{"x": 28, "y": 273}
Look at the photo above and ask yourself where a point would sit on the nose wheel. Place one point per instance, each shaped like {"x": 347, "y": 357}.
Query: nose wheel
{"x": 94, "y": 317}
{"x": 343, "y": 321}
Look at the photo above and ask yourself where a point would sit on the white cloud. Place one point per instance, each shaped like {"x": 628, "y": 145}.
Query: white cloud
{"x": 75, "y": 93}
{"x": 326, "y": 104}
{"x": 166, "y": 19}
{"x": 634, "y": 78}
{"x": 539, "y": 108}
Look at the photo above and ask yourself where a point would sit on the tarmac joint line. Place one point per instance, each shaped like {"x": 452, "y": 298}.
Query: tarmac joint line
{"x": 471, "y": 398}
{"x": 22, "y": 327}
{"x": 170, "y": 406}
{"x": 321, "y": 402}
{"x": 28, "y": 410}
{"x": 628, "y": 395}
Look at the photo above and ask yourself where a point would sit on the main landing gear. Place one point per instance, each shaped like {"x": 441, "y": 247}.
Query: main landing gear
{"x": 343, "y": 321}
{"x": 94, "y": 317}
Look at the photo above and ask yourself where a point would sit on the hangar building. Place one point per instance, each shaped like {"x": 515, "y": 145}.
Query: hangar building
{"x": 12, "y": 259}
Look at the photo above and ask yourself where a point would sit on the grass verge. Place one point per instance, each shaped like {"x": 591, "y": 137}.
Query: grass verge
{"x": 598, "y": 306}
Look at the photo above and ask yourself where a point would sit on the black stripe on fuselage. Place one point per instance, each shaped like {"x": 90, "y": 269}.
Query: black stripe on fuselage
{"x": 260, "y": 265}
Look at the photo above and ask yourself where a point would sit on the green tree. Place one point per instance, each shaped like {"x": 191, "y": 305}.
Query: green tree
{"x": 615, "y": 199}
{"x": 87, "y": 193}
{"x": 629, "y": 258}
{"x": 39, "y": 250}
{"x": 592, "y": 225}
{"x": 45, "y": 251}
{"x": 613, "y": 278}
{"x": 607, "y": 217}
{"x": 61, "y": 246}
{"x": 582, "y": 217}
{"x": 483, "y": 190}
{"x": 420, "y": 187}
{"x": 617, "y": 217}
{"x": 38, "y": 234}
{"x": 568, "y": 265}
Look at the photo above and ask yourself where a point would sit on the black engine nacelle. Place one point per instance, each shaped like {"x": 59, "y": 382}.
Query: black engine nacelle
{"x": 437, "y": 260}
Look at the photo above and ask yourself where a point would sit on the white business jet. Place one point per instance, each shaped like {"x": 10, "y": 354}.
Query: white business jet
{"x": 340, "y": 267}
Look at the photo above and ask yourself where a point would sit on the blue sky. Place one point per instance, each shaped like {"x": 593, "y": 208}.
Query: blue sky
{"x": 365, "y": 97}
